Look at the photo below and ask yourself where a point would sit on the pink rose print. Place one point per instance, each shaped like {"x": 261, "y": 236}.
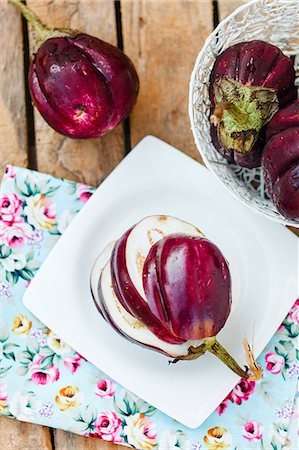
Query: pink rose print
{"x": 274, "y": 362}
{"x": 39, "y": 375}
{"x": 84, "y": 192}
{"x": 108, "y": 427}
{"x": 15, "y": 234}
{"x": 72, "y": 363}
{"x": 9, "y": 172}
{"x": 253, "y": 431}
{"x": 105, "y": 388}
{"x": 3, "y": 395}
{"x": 294, "y": 313}
{"x": 10, "y": 207}
{"x": 82, "y": 357}
{"x": 222, "y": 407}
{"x": 241, "y": 391}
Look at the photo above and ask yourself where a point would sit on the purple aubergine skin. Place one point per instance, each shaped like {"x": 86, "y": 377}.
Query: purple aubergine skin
{"x": 187, "y": 284}
{"x": 101, "y": 307}
{"x": 285, "y": 118}
{"x": 286, "y": 193}
{"x": 249, "y": 160}
{"x": 227, "y": 153}
{"x": 82, "y": 86}
{"x": 129, "y": 297}
{"x": 257, "y": 63}
{"x": 254, "y": 63}
{"x": 280, "y": 153}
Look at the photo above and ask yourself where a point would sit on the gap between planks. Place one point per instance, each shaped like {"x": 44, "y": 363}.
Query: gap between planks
{"x": 120, "y": 44}
{"x": 31, "y": 148}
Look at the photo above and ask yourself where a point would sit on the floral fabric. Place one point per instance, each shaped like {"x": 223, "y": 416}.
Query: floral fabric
{"x": 44, "y": 381}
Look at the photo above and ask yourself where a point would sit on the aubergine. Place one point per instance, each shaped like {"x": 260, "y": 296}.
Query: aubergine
{"x": 163, "y": 285}
{"x": 249, "y": 82}
{"x": 280, "y": 161}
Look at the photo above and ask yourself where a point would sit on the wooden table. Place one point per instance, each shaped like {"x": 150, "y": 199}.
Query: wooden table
{"x": 162, "y": 38}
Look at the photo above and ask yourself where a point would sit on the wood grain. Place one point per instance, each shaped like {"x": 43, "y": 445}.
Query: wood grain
{"x": 13, "y": 131}
{"x": 163, "y": 39}
{"x": 88, "y": 161}
{"x": 69, "y": 441}
{"x": 15, "y": 435}
{"x": 226, "y": 7}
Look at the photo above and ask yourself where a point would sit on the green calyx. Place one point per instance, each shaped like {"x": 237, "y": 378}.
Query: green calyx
{"x": 42, "y": 31}
{"x": 240, "y": 113}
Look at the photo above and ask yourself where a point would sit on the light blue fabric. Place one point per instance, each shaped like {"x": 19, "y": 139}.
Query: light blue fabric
{"x": 44, "y": 381}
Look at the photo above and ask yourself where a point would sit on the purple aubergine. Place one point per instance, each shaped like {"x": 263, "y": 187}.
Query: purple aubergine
{"x": 280, "y": 153}
{"x": 280, "y": 162}
{"x": 188, "y": 286}
{"x": 129, "y": 297}
{"x": 286, "y": 193}
{"x": 284, "y": 119}
{"x": 251, "y": 159}
{"x": 127, "y": 259}
{"x": 82, "y": 86}
{"x": 227, "y": 153}
{"x": 164, "y": 286}
{"x": 248, "y": 83}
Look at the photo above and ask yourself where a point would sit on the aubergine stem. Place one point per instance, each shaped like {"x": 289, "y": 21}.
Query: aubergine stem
{"x": 218, "y": 350}
{"x": 213, "y": 346}
{"x": 43, "y": 31}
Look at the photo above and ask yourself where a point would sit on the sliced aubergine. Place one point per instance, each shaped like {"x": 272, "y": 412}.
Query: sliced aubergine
{"x": 164, "y": 286}
{"x": 127, "y": 262}
{"x": 117, "y": 316}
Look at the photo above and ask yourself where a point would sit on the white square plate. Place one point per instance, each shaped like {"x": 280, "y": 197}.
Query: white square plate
{"x": 157, "y": 179}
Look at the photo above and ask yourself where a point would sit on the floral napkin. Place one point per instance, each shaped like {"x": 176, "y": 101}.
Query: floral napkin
{"x": 44, "y": 381}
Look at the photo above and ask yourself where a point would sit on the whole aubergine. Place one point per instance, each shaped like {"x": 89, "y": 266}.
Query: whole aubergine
{"x": 164, "y": 286}
{"x": 280, "y": 162}
{"x": 248, "y": 83}
{"x": 82, "y": 86}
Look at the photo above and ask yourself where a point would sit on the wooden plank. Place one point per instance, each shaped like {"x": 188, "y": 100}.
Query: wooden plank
{"x": 13, "y": 142}
{"x": 15, "y": 435}
{"x": 88, "y": 161}
{"x": 226, "y": 7}
{"x": 69, "y": 441}
{"x": 163, "y": 39}
{"x": 13, "y": 149}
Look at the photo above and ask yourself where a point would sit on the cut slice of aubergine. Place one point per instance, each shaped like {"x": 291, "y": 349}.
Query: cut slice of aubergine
{"x": 95, "y": 277}
{"x": 120, "y": 319}
{"x": 127, "y": 261}
{"x": 144, "y": 235}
